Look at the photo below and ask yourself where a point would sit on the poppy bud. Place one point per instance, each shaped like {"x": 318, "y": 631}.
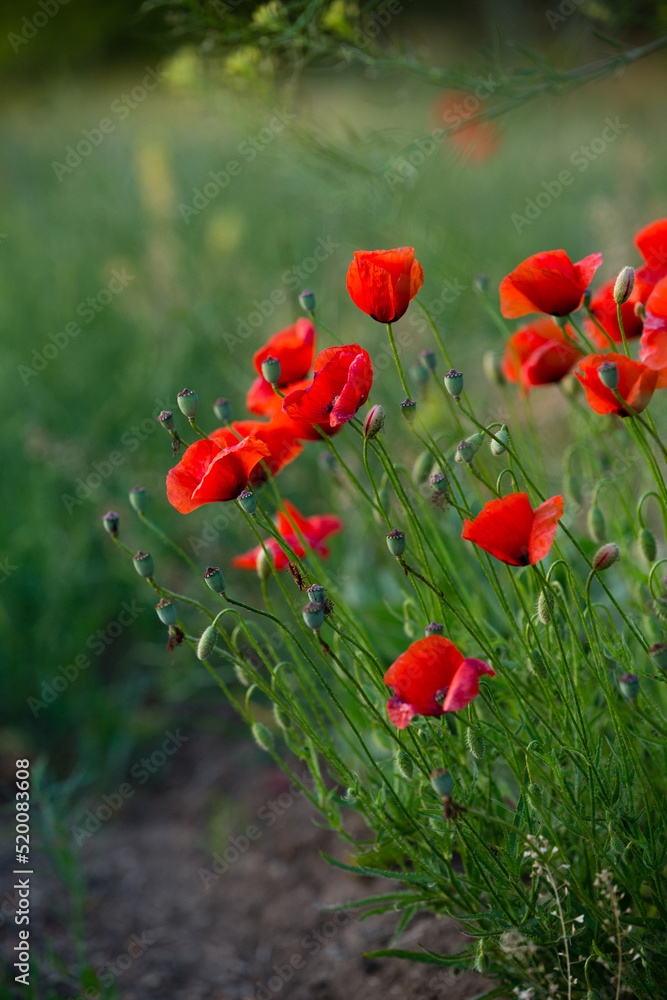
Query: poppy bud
{"x": 262, "y": 736}
{"x": 475, "y": 743}
{"x": 434, "y": 628}
{"x": 648, "y": 545}
{"x": 420, "y": 373}
{"x": 429, "y": 360}
{"x": 396, "y": 542}
{"x": 316, "y": 593}
{"x": 307, "y": 301}
{"x": 111, "y": 520}
{"x": 281, "y": 717}
{"x": 439, "y": 483}
{"x": 467, "y": 449}
{"x": 624, "y": 285}
{"x": 263, "y": 566}
{"x": 537, "y": 664}
{"x": 492, "y": 368}
{"x": 628, "y": 685}
{"x": 606, "y": 557}
{"x": 608, "y": 374}
{"x": 223, "y": 410}
{"x": 498, "y": 444}
{"x": 313, "y": 616}
{"x": 374, "y": 422}
{"x": 545, "y": 606}
{"x": 188, "y": 403}
{"x": 422, "y": 467}
{"x": 271, "y": 370}
{"x": 206, "y": 643}
{"x": 241, "y": 675}
{"x": 214, "y": 579}
{"x": 404, "y": 764}
{"x": 166, "y": 418}
{"x": 409, "y": 409}
{"x": 640, "y": 311}
{"x": 138, "y": 499}
{"x": 573, "y": 488}
{"x": 454, "y": 383}
{"x": 480, "y": 283}
{"x": 247, "y": 502}
{"x": 166, "y": 612}
{"x": 442, "y": 782}
{"x": 596, "y": 524}
{"x": 658, "y": 653}
{"x": 144, "y": 565}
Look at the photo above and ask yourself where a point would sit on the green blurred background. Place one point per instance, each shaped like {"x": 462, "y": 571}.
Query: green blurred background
{"x": 80, "y": 409}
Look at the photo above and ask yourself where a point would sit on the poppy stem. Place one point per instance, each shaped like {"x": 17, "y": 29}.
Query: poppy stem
{"x": 600, "y": 327}
{"x": 397, "y": 361}
{"x": 199, "y": 430}
{"x": 647, "y": 427}
{"x": 580, "y": 333}
{"x": 622, "y": 329}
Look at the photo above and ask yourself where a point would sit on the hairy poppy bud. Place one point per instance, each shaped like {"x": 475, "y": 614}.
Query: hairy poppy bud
{"x": 648, "y": 545}
{"x": 429, "y": 360}
{"x": 475, "y": 743}
{"x": 166, "y": 612}
{"x": 214, "y": 579}
{"x": 596, "y": 524}
{"x": 188, "y": 403}
{"x": 316, "y": 593}
{"x": 263, "y": 567}
{"x": 537, "y": 664}
{"x": 439, "y": 483}
{"x": 422, "y": 467}
{"x": 454, "y": 383}
{"x": 111, "y": 520}
{"x": 606, "y": 556}
{"x": 433, "y": 628}
{"x": 658, "y": 653}
{"x": 396, "y": 542}
{"x": 404, "y": 764}
{"x": 573, "y": 488}
{"x": 271, "y": 370}
{"x": 491, "y": 365}
{"x": 624, "y": 285}
{"x": 223, "y": 410}
{"x": 545, "y": 606}
{"x": 247, "y": 502}
{"x": 313, "y": 616}
{"x": 442, "y": 782}
{"x": 628, "y": 685}
{"x": 499, "y": 443}
{"x": 281, "y": 717}
{"x": 241, "y": 675}
{"x": 307, "y": 301}
{"x": 138, "y": 499}
{"x": 206, "y": 643}
{"x": 374, "y": 422}
{"x": 608, "y": 374}
{"x": 144, "y": 565}
{"x": 166, "y": 418}
{"x": 409, "y": 409}
{"x": 262, "y": 736}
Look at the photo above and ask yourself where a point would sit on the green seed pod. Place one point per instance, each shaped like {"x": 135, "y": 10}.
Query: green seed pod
{"x": 596, "y": 524}
{"x": 535, "y": 796}
{"x": 421, "y": 469}
{"x": 404, "y": 764}
{"x": 648, "y": 545}
{"x": 396, "y": 542}
{"x": 247, "y": 501}
{"x": 313, "y": 616}
{"x": 138, "y": 499}
{"x": 188, "y": 403}
{"x": 144, "y": 565}
{"x": 213, "y": 578}
{"x": 271, "y": 370}
{"x": 307, "y": 301}
{"x": 262, "y": 736}
{"x": 454, "y": 383}
{"x": 223, "y": 409}
{"x": 110, "y": 521}
{"x": 628, "y": 685}
{"x": 442, "y": 782}
{"x": 475, "y": 743}
{"x": 317, "y": 594}
{"x": 207, "y": 642}
{"x": 409, "y": 410}
{"x": 166, "y": 612}
{"x": 545, "y": 607}
{"x": 281, "y": 717}
{"x": 500, "y": 446}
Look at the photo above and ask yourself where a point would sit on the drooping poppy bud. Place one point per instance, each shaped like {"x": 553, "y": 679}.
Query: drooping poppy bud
{"x": 545, "y": 606}
{"x": 144, "y": 565}
{"x": 262, "y": 736}
{"x": 374, "y": 421}
{"x": 648, "y": 545}
{"x": 422, "y": 467}
{"x": 166, "y": 612}
{"x": 138, "y": 499}
{"x": 404, "y": 764}
{"x": 475, "y": 743}
{"x": 188, "y": 403}
{"x": 596, "y": 524}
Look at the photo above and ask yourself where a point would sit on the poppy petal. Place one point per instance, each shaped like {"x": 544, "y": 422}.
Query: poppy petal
{"x": 399, "y": 712}
{"x": 545, "y": 523}
{"x": 465, "y": 685}
{"x": 503, "y": 529}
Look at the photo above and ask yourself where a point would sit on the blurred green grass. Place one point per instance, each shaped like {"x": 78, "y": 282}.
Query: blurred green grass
{"x": 192, "y": 283}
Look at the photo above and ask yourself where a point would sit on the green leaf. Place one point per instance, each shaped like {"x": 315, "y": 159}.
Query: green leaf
{"x": 380, "y": 872}
{"x": 430, "y": 957}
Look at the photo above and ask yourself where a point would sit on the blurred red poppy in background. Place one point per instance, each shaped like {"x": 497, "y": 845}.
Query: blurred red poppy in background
{"x": 342, "y": 379}
{"x": 539, "y": 354}
{"x": 547, "y": 282}
{"x": 208, "y": 472}
{"x": 512, "y": 531}
{"x": 432, "y": 677}
{"x": 636, "y": 383}
{"x": 313, "y": 529}
{"x": 653, "y": 346}
{"x": 472, "y": 137}
{"x": 603, "y": 307}
{"x": 651, "y": 241}
{"x": 382, "y": 283}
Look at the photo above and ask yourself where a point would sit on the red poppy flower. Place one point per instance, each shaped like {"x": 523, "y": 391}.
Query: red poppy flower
{"x": 314, "y": 530}
{"x": 432, "y": 677}
{"x": 208, "y": 472}
{"x": 547, "y": 282}
{"x": 512, "y": 531}
{"x": 538, "y": 354}
{"x": 383, "y": 283}
{"x": 278, "y": 434}
{"x": 294, "y": 347}
{"x": 603, "y": 308}
{"x": 473, "y": 138}
{"x": 636, "y": 383}
{"x": 653, "y": 346}
{"x": 651, "y": 241}
{"x": 342, "y": 379}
